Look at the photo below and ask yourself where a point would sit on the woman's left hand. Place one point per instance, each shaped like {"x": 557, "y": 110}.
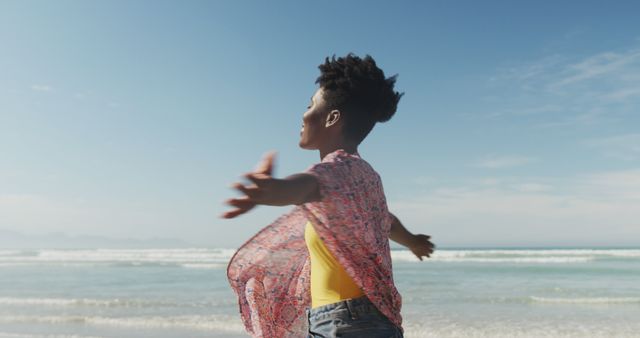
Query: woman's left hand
{"x": 422, "y": 246}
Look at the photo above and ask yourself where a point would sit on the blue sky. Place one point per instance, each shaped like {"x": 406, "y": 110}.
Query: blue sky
{"x": 519, "y": 124}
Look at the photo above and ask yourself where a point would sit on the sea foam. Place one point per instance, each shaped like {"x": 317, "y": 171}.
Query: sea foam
{"x": 194, "y": 322}
{"x": 218, "y": 258}
{"x": 27, "y": 335}
{"x": 542, "y": 256}
{"x": 587, "y": 300}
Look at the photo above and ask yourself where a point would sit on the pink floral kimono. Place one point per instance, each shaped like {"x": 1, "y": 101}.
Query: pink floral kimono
{"x": 270, "y": 273}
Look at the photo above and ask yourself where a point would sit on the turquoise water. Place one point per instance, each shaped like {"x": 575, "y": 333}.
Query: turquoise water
{"x": 184, "y": 293}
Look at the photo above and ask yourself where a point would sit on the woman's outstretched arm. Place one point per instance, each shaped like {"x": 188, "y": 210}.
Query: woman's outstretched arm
{"x": 418, "y": 244}
{"x": 266, "y": 190}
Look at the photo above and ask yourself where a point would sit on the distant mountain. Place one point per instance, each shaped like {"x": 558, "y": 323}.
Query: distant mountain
{"x": 16, "y": 240}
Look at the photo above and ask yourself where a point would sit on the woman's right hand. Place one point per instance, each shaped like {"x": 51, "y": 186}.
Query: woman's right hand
{"x": 262, "y": 173}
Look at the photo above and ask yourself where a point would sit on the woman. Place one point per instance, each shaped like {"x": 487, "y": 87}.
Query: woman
{"x": 324, "y": 269}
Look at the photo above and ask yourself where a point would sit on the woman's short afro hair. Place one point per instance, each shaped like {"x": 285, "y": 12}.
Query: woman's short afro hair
{"x": 359, "y": 89}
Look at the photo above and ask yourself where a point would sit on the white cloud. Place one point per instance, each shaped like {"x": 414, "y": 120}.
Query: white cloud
{"x": 424, "y": 180}
{"x": 531, "y": 187}
{"x": 564, "y": 91}
{"x": 556, "y": 72}
{"x": 607, "y": 65}
{"x": 595, "y": 208}
{"x": 623, "y": 93}
{"x": 621, "y": 185}
{"x": 498, "y": 162}
{"x": 18, "y": 211}
{"x": 41, "y": 88}
{"x": 118, "y": 218}
{"x": 531, "y": 72}
{"x": 625, "y": 147}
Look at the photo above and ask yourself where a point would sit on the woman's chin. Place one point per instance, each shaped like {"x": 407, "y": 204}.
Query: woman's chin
{"x": 304, "y": 145}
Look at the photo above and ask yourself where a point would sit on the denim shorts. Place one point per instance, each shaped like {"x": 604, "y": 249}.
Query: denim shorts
{"x": 356, "y": 317}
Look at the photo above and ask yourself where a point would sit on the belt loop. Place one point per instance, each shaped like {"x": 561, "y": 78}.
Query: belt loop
{"x": 351, "y": 309}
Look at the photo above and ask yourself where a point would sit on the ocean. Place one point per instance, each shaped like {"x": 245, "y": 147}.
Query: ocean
{"x": 459, "y": 292}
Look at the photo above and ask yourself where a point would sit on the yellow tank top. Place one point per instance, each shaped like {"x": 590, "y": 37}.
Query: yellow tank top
{"x": 330, "y": 283}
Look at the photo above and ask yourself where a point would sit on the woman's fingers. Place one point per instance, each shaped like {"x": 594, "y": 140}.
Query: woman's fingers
{"x": 241, "y": 188}
{"x": 427, "y": 241}
{"x": 425, "y": 248}
{"x": 234, "y": 213}
{"x": 241, "y": 205}
{"x": 265, "y": 166}
{"x": 252, "y": 193}
{"x": 423, "y": 255}
{"x": 243, "y": 202}
{"x": 257, "y": 178}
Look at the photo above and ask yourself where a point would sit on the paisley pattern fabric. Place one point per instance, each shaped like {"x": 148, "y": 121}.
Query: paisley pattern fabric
{"x": 270, "y": 273}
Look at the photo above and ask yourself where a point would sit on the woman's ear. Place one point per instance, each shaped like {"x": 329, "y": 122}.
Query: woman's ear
{"x": 332, "y": 118}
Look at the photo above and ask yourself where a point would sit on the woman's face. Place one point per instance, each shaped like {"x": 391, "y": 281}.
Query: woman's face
{"x": 314, "y": 130}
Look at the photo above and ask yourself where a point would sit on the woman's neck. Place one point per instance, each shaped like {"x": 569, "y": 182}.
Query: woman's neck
{"x": 349, "y": 147}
